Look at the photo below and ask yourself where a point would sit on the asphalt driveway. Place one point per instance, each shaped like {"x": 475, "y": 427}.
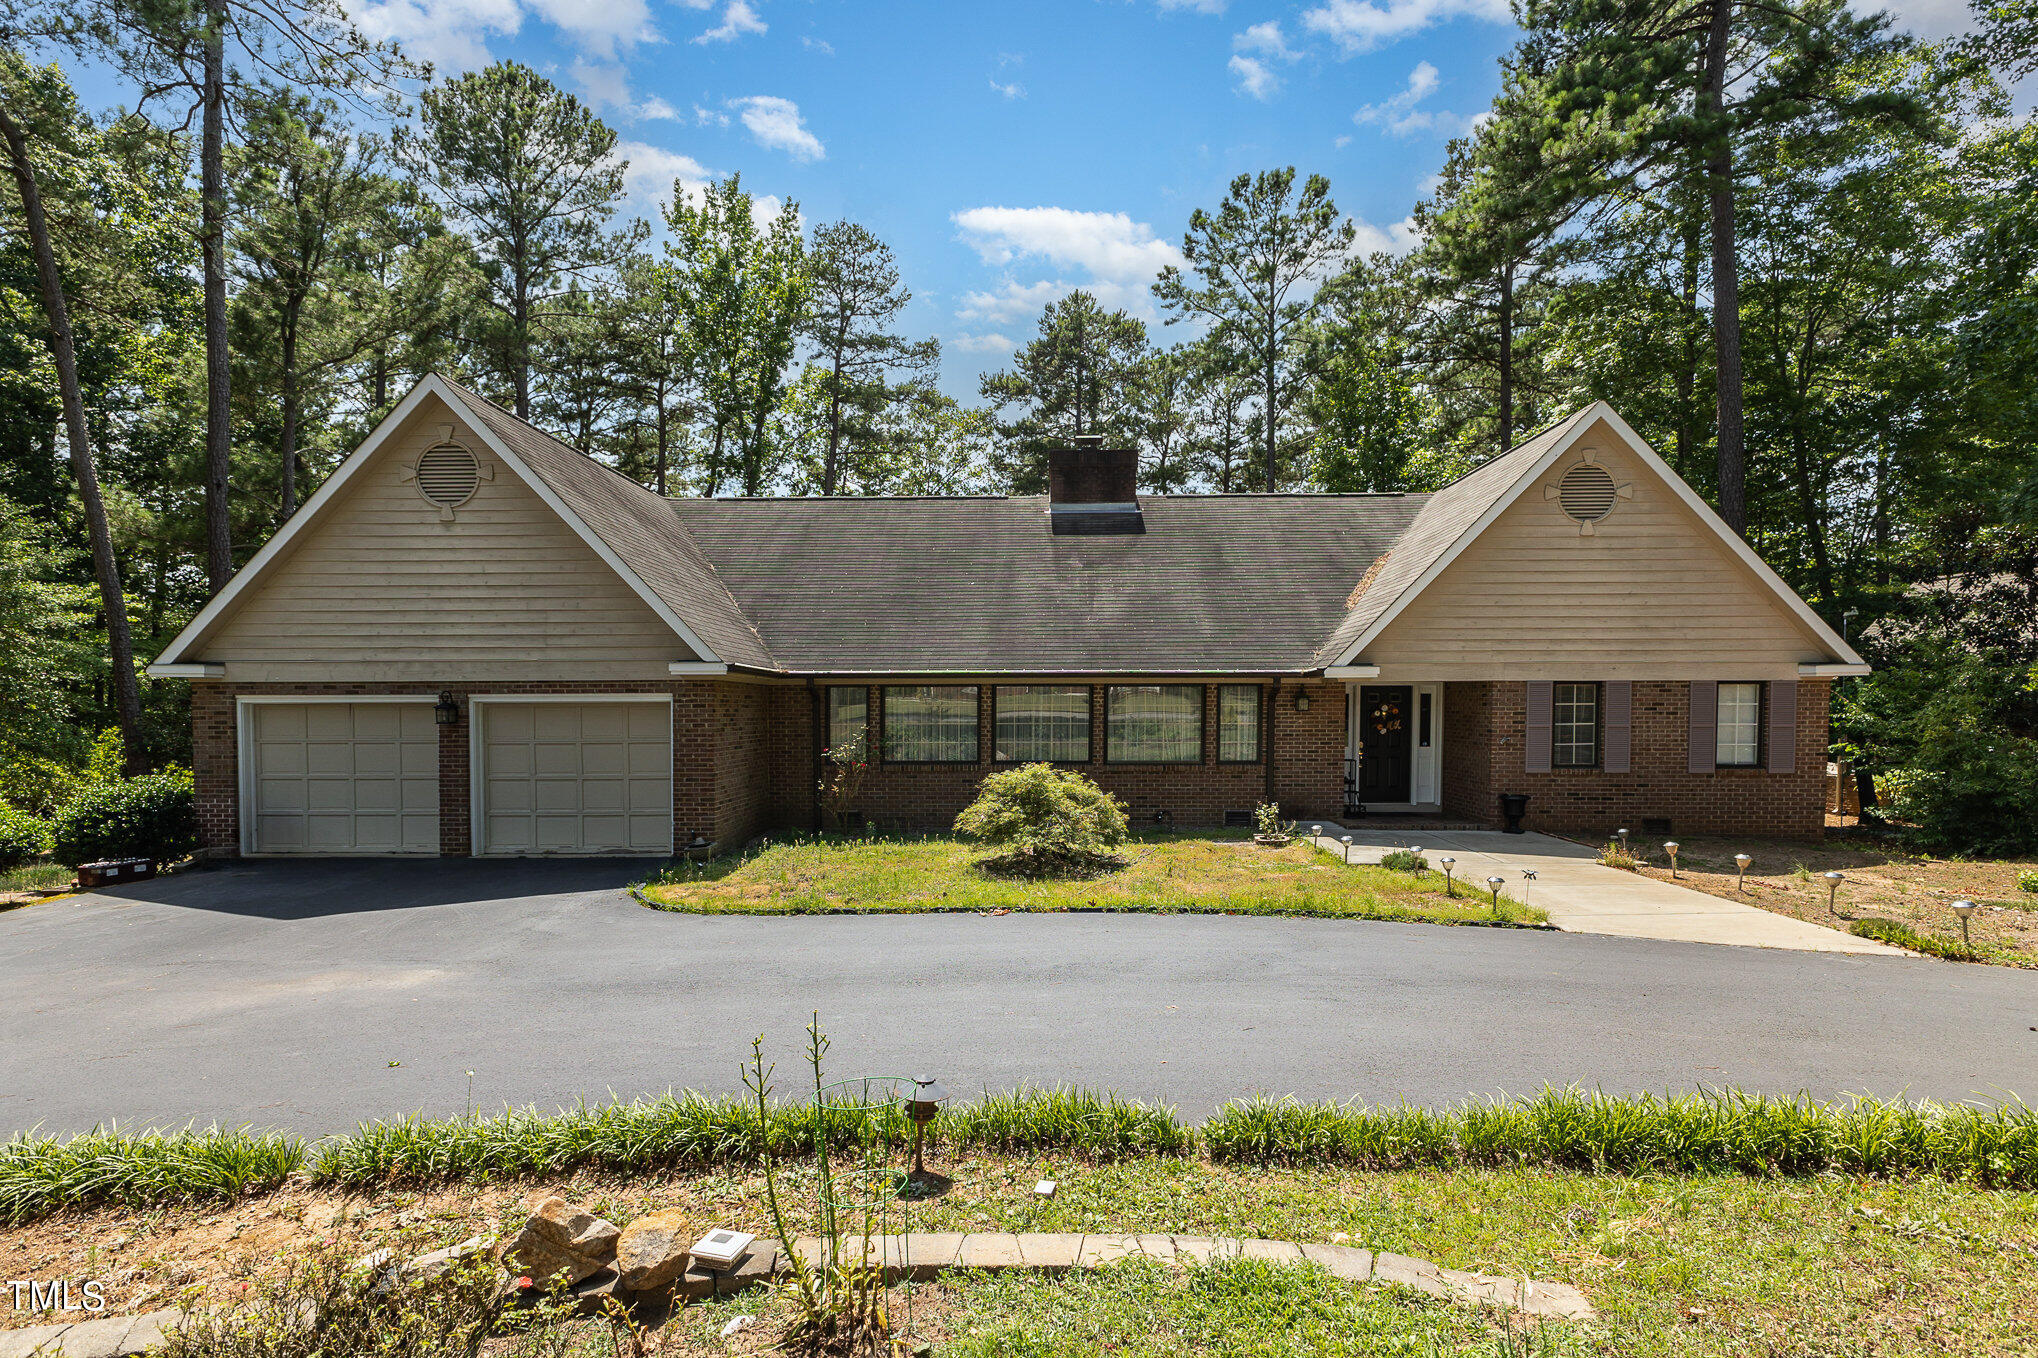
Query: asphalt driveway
{"x": 312, "y": 995}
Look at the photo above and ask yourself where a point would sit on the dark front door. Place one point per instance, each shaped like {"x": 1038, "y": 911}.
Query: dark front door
{"x": 1384, "y": 715}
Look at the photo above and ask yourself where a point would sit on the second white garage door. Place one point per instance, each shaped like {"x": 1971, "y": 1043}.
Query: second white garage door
{"x": 575, "y": 778}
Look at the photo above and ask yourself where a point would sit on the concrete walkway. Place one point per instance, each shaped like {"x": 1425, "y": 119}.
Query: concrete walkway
{"x": 1582, "y": 897}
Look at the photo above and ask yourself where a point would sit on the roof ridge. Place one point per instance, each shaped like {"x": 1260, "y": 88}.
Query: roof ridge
{"x": 1516, "y": 446}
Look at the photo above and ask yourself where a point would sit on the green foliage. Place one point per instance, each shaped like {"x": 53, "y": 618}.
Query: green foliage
{"x": 42, "y": 618}
{"x": 1081, "y": 374}
{"x": 23, "y": 837}
{"x": 2027, "y": 881}
{"x": 1729, "y": 1133}
{"x": 35, "y": 785}
{"x": 1405, "y": 860}
{"x": 1267, "y": 820}
{"x": 1046, "y": 819}
{"x": 41, "y": 1175}
{"x": 1902, "y": 935}
{"x": 1616, "y": 855}
{"x": 149, "y": 817}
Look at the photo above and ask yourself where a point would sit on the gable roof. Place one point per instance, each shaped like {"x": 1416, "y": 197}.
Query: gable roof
{"x": 1216, "y": 583}
{"x": 1459, "y": 513}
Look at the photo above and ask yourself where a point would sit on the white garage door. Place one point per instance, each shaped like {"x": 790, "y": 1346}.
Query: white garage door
{"x": 339, "y": 778}
{"x": 576, "y": 778}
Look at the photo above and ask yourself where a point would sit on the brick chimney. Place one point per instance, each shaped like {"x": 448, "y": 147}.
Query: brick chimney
{"x": 1092, "y": 489}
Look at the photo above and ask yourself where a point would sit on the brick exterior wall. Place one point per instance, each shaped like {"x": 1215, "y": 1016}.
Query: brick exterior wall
{"x": 1484, "y": 753}
{"x": 744, "y": 761}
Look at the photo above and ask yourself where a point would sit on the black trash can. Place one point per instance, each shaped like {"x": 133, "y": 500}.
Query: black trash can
{"x": 1513, "y": 806}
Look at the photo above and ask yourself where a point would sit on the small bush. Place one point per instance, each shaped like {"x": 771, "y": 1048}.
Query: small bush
{"x": 150, "y": 817}
{"x": 1405, "y": 860}
{"x": 1267, "y": 820}
{"x": 1615, "y": 855}
{"x": 23, "y": 838}
{"x": 1048, "y": 820}
{"x": 2027, "y": 881}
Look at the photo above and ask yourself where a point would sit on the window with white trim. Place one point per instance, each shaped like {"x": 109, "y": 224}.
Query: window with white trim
{"x": 1738, "y": 736}
{"x": 1041, "y": 723}
{"x": 848, "y": 715}
{"x": 1574, "y": 726}
{"x": 1238, "y": 723}
{"x": 931, "y": 724}
{"x": 1153, "y": 724}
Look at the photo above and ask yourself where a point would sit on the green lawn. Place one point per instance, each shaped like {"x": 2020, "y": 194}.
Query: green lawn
{"x": 1167, "y": 873}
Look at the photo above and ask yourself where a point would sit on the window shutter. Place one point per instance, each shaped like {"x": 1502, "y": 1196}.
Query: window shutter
{"x": 1783, "y": 726}
{"x": 1536, "y": 758}
{"x": 1705, "y": 718}
{"x": 1619, "y": 699}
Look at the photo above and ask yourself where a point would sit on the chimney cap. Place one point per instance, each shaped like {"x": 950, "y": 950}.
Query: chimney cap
{"x": 1089, "y": 440}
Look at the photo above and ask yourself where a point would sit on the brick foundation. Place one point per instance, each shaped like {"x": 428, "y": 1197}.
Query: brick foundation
{"x": 1484, "y": 753}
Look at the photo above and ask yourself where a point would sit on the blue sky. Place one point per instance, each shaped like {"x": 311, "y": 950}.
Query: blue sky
{"x": 1011, "y": 151}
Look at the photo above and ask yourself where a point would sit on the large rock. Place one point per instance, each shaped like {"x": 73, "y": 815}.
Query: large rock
{"x": 560, "y": 1239}
{"x": 652, "y": 1250}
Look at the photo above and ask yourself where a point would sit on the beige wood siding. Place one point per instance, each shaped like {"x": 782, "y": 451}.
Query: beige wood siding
{"x": 576, "y": 778}
{"x": 1652, "y": 594}
{"x": 343, "y": 778}
{"x": 382, "y": 587}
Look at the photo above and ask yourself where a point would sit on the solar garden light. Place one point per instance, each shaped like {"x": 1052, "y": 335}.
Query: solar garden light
{"x": 1833, "y": 880}
{"x": 921, "y": 1106}
{"x": 1670, "y": 847}
{"x": 1623, "y": 833}
{"x": 1316, "y": 832}
{"x": 1348, "y": 850}
{"x": 1447, "y": 864}
{"x": 1965, "y": 909}
{"x": 1493, "y": 884}
{"x": 1741, "y": 862}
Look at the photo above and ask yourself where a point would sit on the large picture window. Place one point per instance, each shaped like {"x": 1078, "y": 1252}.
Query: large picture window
{"x": 929, "y": 724}
{"x": 1041, "y": 723}
{"x": 1574, "y": 726}
{"x": 1153, "y": 724}
{"x": 1739, "y": 733}
{"x": 848, "y": 715}
{"x": 1238, "y": 723}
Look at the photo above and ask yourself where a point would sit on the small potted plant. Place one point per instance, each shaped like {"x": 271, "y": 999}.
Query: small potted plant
{"x": 1271, "y": 830}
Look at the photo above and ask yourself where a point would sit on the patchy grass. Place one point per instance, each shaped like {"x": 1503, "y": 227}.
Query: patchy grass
{"x": 1717, "y": 1266}
{"x": 31, "y": 877}
{"x": 1164, "y": 874}
{"x": 1883, "y": 882}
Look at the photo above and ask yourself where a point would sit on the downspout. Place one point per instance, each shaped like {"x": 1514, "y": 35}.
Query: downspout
{"x": 820, "y": 737}
{"x": 1273, "y": 702}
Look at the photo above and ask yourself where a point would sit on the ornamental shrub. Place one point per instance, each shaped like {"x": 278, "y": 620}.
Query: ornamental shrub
{"x": 23, "y": 838}
{"x": 1405, "y": 860}
{"x": 154, "y": 816}
{"x": 1048, "y": 820}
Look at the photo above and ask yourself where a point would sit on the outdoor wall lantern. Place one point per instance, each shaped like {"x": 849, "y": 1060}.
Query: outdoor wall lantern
{"x": 921, "y": 1106}
{"x": 446, "y": 711}
{"x": 1741, "y": 862}
{"x": 1833, "y": 880}
{"x": 1964, "y": 909}
{"x": 1670, "y": 847}
{"x": 1302, "y": 701}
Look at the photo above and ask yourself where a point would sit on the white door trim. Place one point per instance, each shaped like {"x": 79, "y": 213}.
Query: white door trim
{"x": 477, "y": 782}
{"x": 1425, "y": 767}
{"x": 244, "y": 753}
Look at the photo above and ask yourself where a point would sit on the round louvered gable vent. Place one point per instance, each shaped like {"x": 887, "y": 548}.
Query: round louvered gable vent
{"x": 448, "y": 475}
{"x": 1587, "y": 492}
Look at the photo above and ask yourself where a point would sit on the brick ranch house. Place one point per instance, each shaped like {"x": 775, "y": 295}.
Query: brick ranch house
{"x": 475, "y": 640}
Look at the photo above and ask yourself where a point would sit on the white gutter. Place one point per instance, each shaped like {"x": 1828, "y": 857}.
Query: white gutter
{"x": 1836, "y": 671}
{"x": 1352, "y": 672}
{"x": 696, "y": 667}
{"x": 205, "y": 670}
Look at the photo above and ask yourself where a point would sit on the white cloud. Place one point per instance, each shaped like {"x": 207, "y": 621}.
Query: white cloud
{"x": 776, "y": 123}
{"x": 1399, "y": 114}
{"x": 1012, "y": 301}
{"x": 1195, "y": 6}
{"x": 1254, "y": 77}
{"x": 1397, "y": 239}
{"x": 599, "y": 27}
{"x": 1109, "y": 245}
{"x": 1015, "y": 90}
{"x": 1931, "y": 18}
{"x": 1340, "y": 142}
{"x": 982, "y": 344}
{"x": 606, "y": 85}
{"x": 708, "y": 117}
{"x": 657, "y": 108}
{"x": 649, "y": 181}
{"x": 1362, "y": 25}
{"x": 821, "y": 45}
{"x": 452, "y": 34}
{"x": 737, "y": 20}
{"x": 1266, "y": 39}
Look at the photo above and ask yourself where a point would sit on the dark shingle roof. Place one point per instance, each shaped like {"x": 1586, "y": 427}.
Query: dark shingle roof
{"x": 1216, "y": 584}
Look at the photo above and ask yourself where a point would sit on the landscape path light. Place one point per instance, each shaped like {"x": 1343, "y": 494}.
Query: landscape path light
{"x": 1833, "y": 880}
{"x": 1623, "y": 833}
{"x": 1965, "y": 909}
{"x": 1493, "y": 884}
{"x": 1316, "y": 832}
{"x": 1670, "y": 847}
{"x": 1741, "y": 862}
{"x": 1348, "y": 850}
{"x": 1447, "y": 864}
{"x": 921, "y": 1106}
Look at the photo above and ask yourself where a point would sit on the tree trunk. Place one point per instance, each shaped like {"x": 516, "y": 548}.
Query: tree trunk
{"x": 1267, "y": 414}
{"x": 520, "y": 359}
{"x": 290, "y": 402}
{"x": 1687, "y": 372}
{"x": 663, "y": 437}
{"x": 1506, "y": 357}
{"x": 127, "y": 702}
{"x": 1726, "y": 273}
{"x": 219, "y": 533}
{"x": 834, "y": 428}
